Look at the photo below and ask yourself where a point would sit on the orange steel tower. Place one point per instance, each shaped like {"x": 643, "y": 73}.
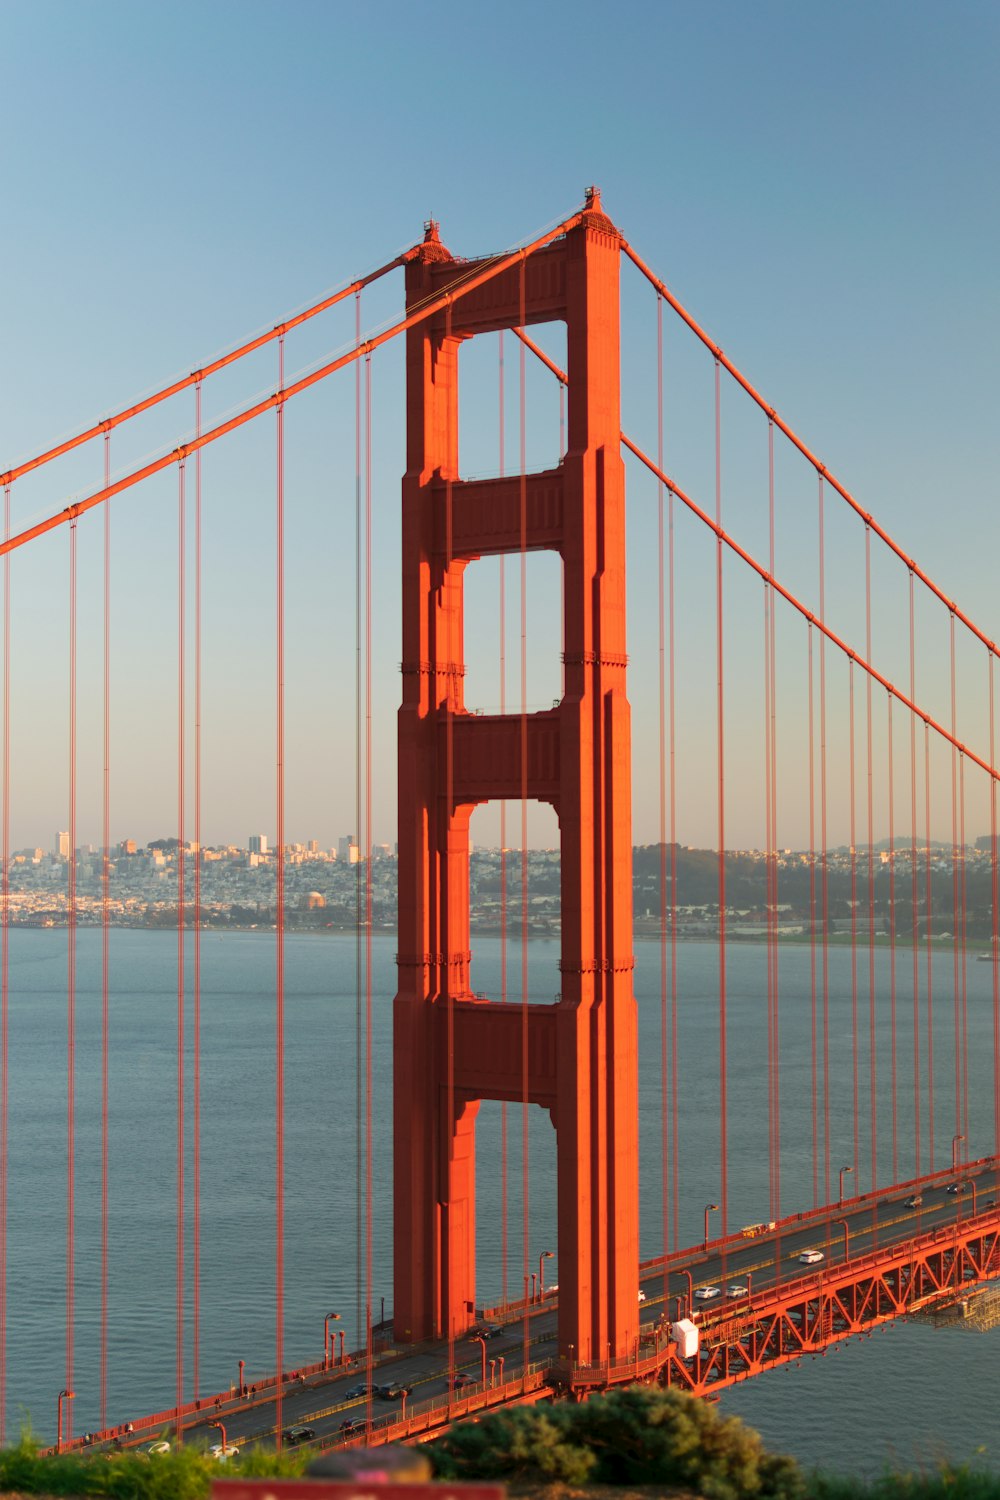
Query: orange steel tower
{"x": 578, "y": 1057}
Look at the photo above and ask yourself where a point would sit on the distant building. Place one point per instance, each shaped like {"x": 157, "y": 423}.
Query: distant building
{"x": 258, "y": 843}
{"x": 347, "y": 850}
{"x": 62, "y": 845}
{"x": 313, "y": 902}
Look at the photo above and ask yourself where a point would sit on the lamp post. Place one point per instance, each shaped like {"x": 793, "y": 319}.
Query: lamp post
{"x": 843, "y": 1223}
{"x": 493, "y": 1373}
{"x": 330, "y": 1318}
{"x": 222, "y": 1428}
{"x": 545, "y": 1255}
{"x": 690, "y": 1300}
{"x": 242, "y": 1386}
{"x": 402, "y": 1412}
{"x": 710, "y": 1208}
{"x": 843, "y": 1170}
{"x": 63, "y": 1396}
{"x": 954, "y": 1151}
{"x": 533, "y": 1280}
{"x": 500, "y": 1367}
{"x": 478, "y": 1339}
{"x": 340, "y": 1334}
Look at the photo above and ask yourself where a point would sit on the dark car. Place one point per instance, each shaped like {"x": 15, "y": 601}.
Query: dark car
{"x": 915, "y": 1201}
{"x": 392, "y": 1392}
{"x": 359, "y": 1390}
{"x": 487, "y": 1331}
{"x": 460, "y": 1380}
{"x": 352, "y": 1424}
{"x": 958, "y": 1187}
{"x": 298, "y": 1434}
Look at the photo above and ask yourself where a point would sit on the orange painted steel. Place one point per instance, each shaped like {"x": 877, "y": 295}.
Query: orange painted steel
{"x": 582, "y": 1051}
{"x": 470, "y": 280}
{"x": 806, "y": 452}
{"x": 197, "y": 376}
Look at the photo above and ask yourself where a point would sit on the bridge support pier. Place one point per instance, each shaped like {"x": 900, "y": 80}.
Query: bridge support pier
{"x": 577, "y": 1058}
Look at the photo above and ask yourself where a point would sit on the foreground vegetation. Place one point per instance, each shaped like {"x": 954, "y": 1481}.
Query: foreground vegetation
{"x": 629, "y": 1437}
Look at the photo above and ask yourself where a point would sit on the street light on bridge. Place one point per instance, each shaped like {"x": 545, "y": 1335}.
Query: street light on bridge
{"x": 63, "y": 1396}
{"x": 222, "y": 1428}
{"x": 477, "y": 1338}
{"x": 843, "y": 1223}
{"x": 843, "y": 1170}
{"x": 330, "y": 1318}
{"x": 545, "y": 1255}
{"x": 710, "y": 1208}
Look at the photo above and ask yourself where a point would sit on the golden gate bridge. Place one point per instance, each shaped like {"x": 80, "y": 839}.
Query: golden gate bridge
{"x": 871, "y": 740}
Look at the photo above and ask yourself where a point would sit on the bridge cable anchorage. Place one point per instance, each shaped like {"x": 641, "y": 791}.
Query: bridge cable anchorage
{"x": 821, "y": 469}
{"x": 431, "y": 306}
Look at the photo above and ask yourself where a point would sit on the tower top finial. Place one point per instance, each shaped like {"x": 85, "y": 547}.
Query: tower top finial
{"x": 592, "y": 200}
{"x": 432, "y": 232}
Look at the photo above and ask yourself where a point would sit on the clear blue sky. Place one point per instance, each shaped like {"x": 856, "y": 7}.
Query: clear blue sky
{"x": 817, "y": 183}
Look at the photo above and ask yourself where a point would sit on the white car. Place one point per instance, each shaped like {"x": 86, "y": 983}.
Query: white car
{"x": 737, "y": 1289}
{"x": 226, "y": 1453}
{"x": 706, "y": 1293}
{"x": 160, "y": 1446}
{"x": 811, "y": 1257}
{"x": 642, "y": 1295}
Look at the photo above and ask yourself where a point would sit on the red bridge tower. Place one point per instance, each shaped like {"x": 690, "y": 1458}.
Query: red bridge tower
{"x": 578, "y": 1057}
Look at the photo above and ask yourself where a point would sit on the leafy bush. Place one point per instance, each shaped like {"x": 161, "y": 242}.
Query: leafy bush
{"x": 181, "y": 1474}
{"x": 636, "y": 1435}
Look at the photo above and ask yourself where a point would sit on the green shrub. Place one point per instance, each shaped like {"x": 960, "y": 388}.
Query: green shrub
{"x": 636, "y": 1435}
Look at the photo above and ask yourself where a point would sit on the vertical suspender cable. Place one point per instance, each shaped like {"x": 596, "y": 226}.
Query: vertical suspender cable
{"x": 721, "y": 752}
{"x": 196, "y": 997}
{"x": 523, "y": 509}
{"x": 769, "y": 934}
{"x": 359, "y": 956}
{"x": 773, "y": 846}
{"x": 71, "y": 991}
{"x": 825, "y": 882}
{"x": 105, "y": 937}
{"x": 369, "y": 1348}
{"x": 661, "y": 626}
{"x": 504, "y": 1123}
{"x": 872, "y": 1058}
{"x": 955, "y": 901}
{"x": 854, "y": 923}
{"x": 674, "y": 1038}
{"x": 962, "y": 935}
{"x": 5, "y": 972}
{"x": 812, "y": 925}
{"x": 915, "y": 895}
{"x": 994, "y": 919}
{"x": 279, "y": 906}
{"x": 179, "y": 1226}
{"x": 892, "y": 941}
{"x": 929, "y": 944}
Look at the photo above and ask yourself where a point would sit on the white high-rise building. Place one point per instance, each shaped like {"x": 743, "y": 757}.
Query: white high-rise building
{"x": 258, "y": 843}
{"x": 347, "y": 849}
{"x": 62, "y": 845}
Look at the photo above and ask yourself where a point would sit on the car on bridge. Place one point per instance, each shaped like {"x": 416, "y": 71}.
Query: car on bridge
{"x": 811, "y": 1257}
{"x": 360, "y": 1390}
{"x": 392, "y": 1392}
{"x": 486, "y": 1331}
{"x": 706, "y": 1293}
{"x": 737, "y": 1289}
{"x": 223, "y": 1453}
{"x": 459, "y": 1380}
{"x": 914, "y": 1201}
{"x": 352, "y": 1424}
{"x": 958, "y": 1187}
{"x": 298, "y": 1434}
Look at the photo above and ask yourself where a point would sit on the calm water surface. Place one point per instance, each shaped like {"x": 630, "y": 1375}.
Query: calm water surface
{"x": 908, "y": 1394}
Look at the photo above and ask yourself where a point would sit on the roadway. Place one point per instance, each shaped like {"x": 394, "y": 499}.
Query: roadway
{"x": 322, "y": 1400}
